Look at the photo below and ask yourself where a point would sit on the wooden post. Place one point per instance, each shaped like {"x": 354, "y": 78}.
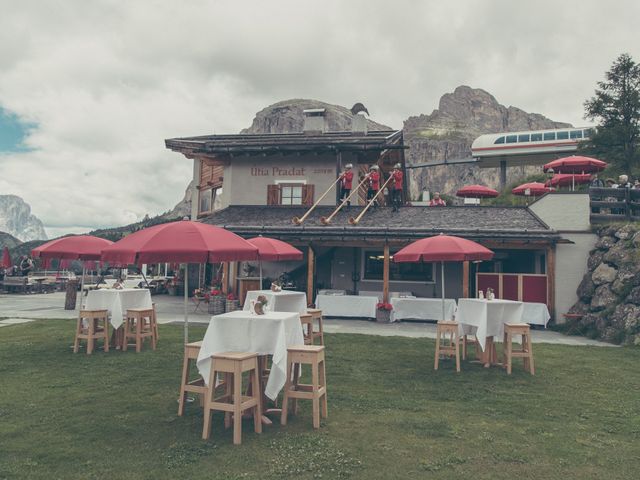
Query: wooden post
{"x": 234, "y": 277}
{"x": 311, "y": 266}
{"x": 465, "y": 279}
{"x": 551, "y": 280}
{"x": 225, "y": 278}
{"x": 385, "y": 275}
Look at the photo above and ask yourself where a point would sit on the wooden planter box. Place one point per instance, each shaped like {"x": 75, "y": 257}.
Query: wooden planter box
{"x": 232, "y": 305}
{"x": 217, "y": 305}
{"x": 383, "y": 316}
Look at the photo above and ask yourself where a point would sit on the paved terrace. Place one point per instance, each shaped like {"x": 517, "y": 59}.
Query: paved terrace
{"x": 16, "y": 309}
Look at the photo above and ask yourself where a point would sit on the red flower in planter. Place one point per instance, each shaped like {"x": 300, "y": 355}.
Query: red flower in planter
{"x": 384, "y": 306}
{"x": 231, "y": 296}
{"x": 215, "y": 292}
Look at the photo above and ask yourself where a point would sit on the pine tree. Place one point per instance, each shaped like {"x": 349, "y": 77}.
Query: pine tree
{"x": 616, "y": 108}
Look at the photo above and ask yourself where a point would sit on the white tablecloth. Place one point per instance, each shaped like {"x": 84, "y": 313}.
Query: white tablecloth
{"x": 535, "y": 314}
{"x": 240, "y": 331}
{"x": 486, "y": 318}
{"x": 117, "y": 302}
{"x": 284, "y": 301}
{"x": 347, "y": 306}
{"x": 422, "y": 308}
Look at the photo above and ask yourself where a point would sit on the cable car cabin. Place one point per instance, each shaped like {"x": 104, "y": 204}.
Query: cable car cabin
{"x": 530, "y": 147}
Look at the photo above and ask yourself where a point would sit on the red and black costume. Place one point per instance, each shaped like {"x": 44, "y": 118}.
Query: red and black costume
{"x": 346, "y": 184}
{"x": 374, "y": 186}
{"x": 397, "y": 182}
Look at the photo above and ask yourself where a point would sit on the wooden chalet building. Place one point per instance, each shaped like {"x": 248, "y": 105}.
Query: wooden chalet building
{"x": 261, "y": 182}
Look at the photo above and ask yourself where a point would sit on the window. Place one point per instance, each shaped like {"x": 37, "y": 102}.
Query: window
{"x": 205, "y": 200}
{"x": 523, "y": 138}
{"x": 408, "y": 272}
{"x": 208, "y": 199}
{"x": 550, "y": 135}
{"x": 575, "y": 134}
{"x": 536, "y": 137}
{"x": 500, "y": 140}
{"x": 562, "y": 135}
{"x": 587, "y": 132}
{"x": 512, "y": 138}
{"x": 290, "y": 194}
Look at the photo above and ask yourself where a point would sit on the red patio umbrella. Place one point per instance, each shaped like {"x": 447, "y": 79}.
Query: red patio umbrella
{"x": 566, "y": 179}
{"x": 275, "y": 250}
{"x": 183, "y": 241}
{"x": 443, "y": 248}
{"x": 477, "y": 191}
{"x": 73, "y": 247}
{"x": 6, "y": 258}
{"x": 576, "y": 164}
{"x": 534, "y": 189}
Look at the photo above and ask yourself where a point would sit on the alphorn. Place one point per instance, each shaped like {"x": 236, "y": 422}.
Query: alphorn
{"x": 354, "y": 221}
{"x": 299, "y": 221}
{"x": 327, "y": 220}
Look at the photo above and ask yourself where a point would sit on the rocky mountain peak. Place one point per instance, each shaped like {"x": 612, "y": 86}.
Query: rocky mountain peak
{"x": 287, "y": 117}
{"x": 448, "y": 132}
{"x": 17, "y": 220}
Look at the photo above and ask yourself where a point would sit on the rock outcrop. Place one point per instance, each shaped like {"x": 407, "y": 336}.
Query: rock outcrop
{"x": 609, "y": 293}
{"x": 17, "y": 220}
{"x": 447, "y": 134}
{"x": 287, "y": 117}
{"x": 8, "y": 240}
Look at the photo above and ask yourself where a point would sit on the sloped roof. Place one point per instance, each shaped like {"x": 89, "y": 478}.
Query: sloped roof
{"x": 273, "y": 142}
{"x": 517, "y": 223}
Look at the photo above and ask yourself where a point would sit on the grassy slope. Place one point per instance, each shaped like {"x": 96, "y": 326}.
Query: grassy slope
{"x": 390, "y": 415}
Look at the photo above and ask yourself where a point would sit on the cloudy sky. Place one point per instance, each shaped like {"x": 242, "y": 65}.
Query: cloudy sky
{"x": 90, "y": 90}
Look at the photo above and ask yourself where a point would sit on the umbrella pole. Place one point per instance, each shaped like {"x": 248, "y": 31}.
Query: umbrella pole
{"x": 442, "y": 275}
{"x": 186, "y": 299}
{"x": 81, "y": 288}
{"x": 260, "y": 262}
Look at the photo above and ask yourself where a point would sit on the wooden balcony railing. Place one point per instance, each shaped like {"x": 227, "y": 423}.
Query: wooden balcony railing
{"x": 614, "y": 205}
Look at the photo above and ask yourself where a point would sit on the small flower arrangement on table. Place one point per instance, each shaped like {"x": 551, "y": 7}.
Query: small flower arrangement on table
{"x": 383, "y": 312}
{"x": 259, "y": 304}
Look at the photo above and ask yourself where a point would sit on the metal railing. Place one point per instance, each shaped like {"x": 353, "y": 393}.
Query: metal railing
{"x": 614, "y": 205}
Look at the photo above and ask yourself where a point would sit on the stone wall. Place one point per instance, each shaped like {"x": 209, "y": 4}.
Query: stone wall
{"x": 609, "y": 294}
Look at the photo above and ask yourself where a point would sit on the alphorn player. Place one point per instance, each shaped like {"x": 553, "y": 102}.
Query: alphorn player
{"x": 346, "y": 183}
{"x": 374, "y": 184}
{"x": 396, "y": 195}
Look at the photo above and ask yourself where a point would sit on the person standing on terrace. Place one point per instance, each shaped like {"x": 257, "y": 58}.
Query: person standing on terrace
{"x": 374, "y": 184}
{"x": 346, "y": 183}
{"x": 396, "y": 196}
{"x": 436, "y": 201}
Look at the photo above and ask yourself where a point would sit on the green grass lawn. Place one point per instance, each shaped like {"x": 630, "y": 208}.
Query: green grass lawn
{"x": 390, "y": 415}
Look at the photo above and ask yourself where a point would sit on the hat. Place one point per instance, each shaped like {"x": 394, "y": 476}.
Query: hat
{"x": 348, "y": 165}
{"x": 397, "y": 165}
{"x": 623, "y": 178}
{"x": 374, "y": 167}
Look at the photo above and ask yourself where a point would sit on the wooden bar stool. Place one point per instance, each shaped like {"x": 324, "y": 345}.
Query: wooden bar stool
{"x": 311, "y": 355}
{"x": 447, "y": 342}
{"x": 316, "y": 315}
{"x": 191, "y": 351}
{"x": 155, "y": 323}
{"x": 526, "y": 352}
{"x": 233, "y": 401}
{"x": 139, "y": 325}
{"x": 306, "y": 319}
{"x": 92, "y": 330}
{"x": 473, "y": 342}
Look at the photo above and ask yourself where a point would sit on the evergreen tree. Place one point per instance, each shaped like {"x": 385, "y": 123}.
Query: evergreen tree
{"x": 616, "y": 108}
